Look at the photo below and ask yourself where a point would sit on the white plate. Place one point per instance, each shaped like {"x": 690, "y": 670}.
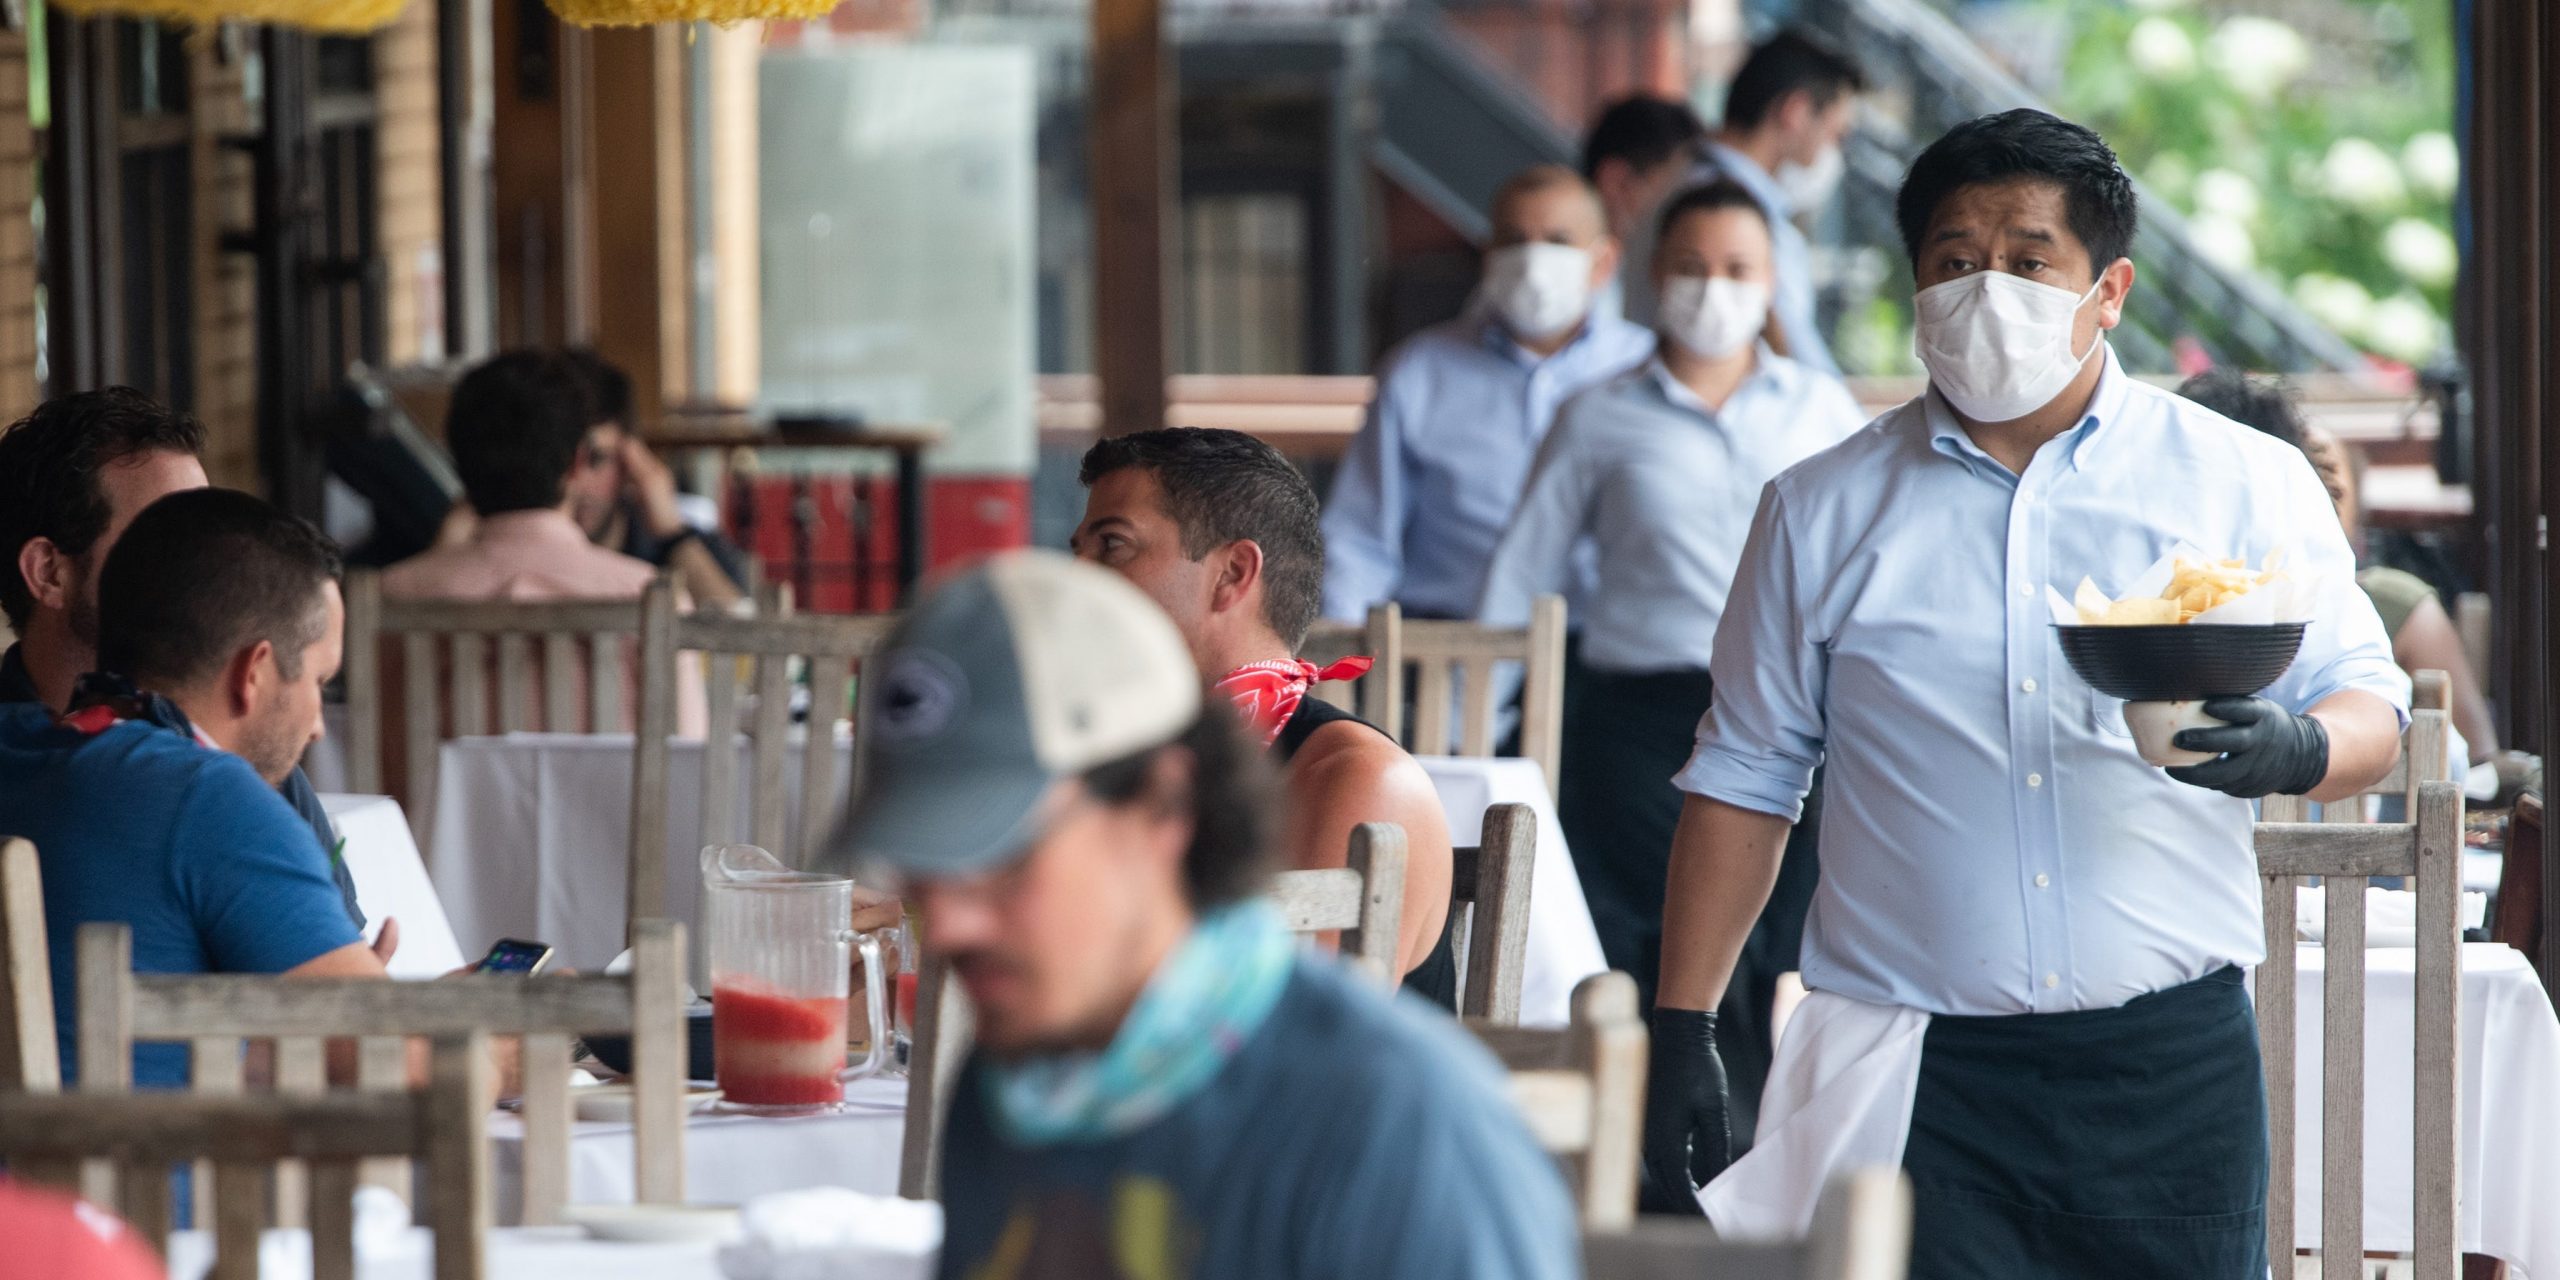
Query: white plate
{"x": 653, "y": 1223}
{"x": 611, "y": 1103}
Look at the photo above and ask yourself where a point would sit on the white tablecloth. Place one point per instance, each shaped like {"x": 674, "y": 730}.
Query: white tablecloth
{"x": 392, "y": 883}
{"x": 2510, "y": 1121}
{"x": 532, "y": 832}
{"x": 514, "y": 1253}
{"x": 1564, "y": 948}
{"x": 730, "y": 1159}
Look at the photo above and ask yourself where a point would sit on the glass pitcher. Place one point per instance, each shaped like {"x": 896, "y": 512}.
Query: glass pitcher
{"x": 781, "y": 958}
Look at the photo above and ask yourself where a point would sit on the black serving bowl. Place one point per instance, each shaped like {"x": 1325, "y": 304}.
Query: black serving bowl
{"x": 2180, "y": 663}
{"x": 615, "y": 1051}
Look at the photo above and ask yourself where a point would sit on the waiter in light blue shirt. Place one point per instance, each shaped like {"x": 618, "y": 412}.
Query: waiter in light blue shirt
{"x": 1658, "y": 472}
{"x": 1789, "y": 107}
{"x": 1995, "y": 856}
{"x": 1427, "y": 485}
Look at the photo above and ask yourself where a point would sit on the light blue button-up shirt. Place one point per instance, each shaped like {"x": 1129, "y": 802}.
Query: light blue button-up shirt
{"x": 1991, "y": 843}
{"x": 1429, "y": 482}
{"x": 1662, "y": 488}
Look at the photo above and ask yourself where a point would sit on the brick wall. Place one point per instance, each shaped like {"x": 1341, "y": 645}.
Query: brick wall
{"x": 226, "y": 284}
{"x": 411, "y": 185}
{"x": 17, "y": 234}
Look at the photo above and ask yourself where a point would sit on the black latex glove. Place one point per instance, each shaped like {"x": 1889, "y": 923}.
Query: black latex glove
{"x": 2266, "y": 750}
{"x": 1687, "y": 1138}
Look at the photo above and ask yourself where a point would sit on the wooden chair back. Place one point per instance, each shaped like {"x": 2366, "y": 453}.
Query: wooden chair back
{"x": 2427, "y": 850}
{"x": 2518, "y": 922}
{"x": 1581, "y": 1088}
{"x": 1362, "y": 901}
{"x": 471, "y": 667}
{"x": 830, "y": 648}
{"x": 1430, "y": 665}
{"x": 1377, "y": 640}
{"x": 2423, "y": 759}
{"x": 28, "y": 1061}
{"x": 1862, "y": 1231}
{"x": 1489, "y": 906}
{"x": 214, "y": 1013}
{"x": 246, "y": 1139}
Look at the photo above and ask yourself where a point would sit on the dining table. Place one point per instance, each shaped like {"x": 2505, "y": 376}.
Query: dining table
{"x": 532, "y": 833}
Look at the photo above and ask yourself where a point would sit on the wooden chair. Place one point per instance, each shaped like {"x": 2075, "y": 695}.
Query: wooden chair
{"x": 248, "y": 1138}
{"x": 2428, "y": 850}
{"x": 1581, "y": 1088}
{"x": 573, "y": 651}
{"x": 28, "y": 1061}
{"x": 1363, "y": 901}
{"x": 1861, "y": 1232}
{"x": 2422, "y": 759}
{"x": 2518, "y": 922}
{"x": 214, "y": 1013}
{"x": 829, "y": 646}
{"x": 1449, "y": 661}
{"x": 1489, "y": 900}
{"x": 1376, "y": 639}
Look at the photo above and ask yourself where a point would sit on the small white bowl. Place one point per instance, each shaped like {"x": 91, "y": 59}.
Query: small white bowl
{"x": 611, "y": 1103}
{"x": 653, "y": 1223}
{"x": 2156, "y": 725}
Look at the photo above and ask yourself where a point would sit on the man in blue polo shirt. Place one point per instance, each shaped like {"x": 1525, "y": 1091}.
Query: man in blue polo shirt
{"x": 152, "y": 800}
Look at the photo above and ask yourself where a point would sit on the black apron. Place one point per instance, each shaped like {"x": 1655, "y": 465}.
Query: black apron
{"x": 2125, "y": 1142}
{"x": 1436, "y": 978}
{"x": 1625, "y": 735}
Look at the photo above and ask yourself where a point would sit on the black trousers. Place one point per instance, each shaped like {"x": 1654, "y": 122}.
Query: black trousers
{"x": 1625, "y": 735}
{"x": 2127, "y": 1142}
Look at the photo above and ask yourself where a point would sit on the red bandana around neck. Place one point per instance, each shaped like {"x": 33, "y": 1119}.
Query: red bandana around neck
{"x": 1266, "y": 694}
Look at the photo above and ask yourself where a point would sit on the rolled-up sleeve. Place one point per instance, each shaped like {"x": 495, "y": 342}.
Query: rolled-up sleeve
{"x": 1758, "y": 744}
{"x": 1364, "y": 519}
{"x": 2345, "y": 646}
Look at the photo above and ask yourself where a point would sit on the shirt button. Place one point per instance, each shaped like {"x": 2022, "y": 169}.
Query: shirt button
{"x": 2026, "y": 589}
{"x": 2043, "y": 881}
{"x": 2028, "y": 684}
{"x": 2052, "y": 980}
{"x": 2035, "y": 779}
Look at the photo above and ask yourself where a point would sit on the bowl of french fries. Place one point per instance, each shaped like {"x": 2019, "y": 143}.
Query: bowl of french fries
{"x": 2211, "y": 631}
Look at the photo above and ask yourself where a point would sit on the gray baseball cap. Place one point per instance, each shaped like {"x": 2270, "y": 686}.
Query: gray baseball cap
{"x": 1027, "y": 669}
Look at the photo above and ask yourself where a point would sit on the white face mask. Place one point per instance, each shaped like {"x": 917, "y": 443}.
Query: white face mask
{"x": 1997, "y": 346}
{"x": 1712, "y": 317}
{"x": 1809, "y": 186}
{"x": 1539, "y": 289}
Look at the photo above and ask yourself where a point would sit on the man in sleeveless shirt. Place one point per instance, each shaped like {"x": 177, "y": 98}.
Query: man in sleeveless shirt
{"x": 1223, "y": 532}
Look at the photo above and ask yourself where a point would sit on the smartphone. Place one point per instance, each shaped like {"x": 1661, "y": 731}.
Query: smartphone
{"x": 515, "y": 956}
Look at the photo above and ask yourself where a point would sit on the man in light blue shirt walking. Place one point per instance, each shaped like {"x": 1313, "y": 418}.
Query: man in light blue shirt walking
{"x": 1460, "y": 408}
{"x": 1996, "y": 857}
{"x": 1789, "y": 107}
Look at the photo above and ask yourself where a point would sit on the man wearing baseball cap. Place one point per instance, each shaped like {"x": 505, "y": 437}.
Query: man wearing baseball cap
{"x": 1084, "y": 840}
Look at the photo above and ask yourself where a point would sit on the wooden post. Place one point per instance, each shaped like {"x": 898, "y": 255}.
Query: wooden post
{"x": 1131, "y": 167}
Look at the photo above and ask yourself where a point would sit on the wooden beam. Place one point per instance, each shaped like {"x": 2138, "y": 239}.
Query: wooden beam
{"x": 636, "y": 140}
{"x": 1131, "y": 168}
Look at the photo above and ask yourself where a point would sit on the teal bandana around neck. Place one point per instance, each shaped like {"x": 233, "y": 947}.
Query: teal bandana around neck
{"x": 1210, "y": 995}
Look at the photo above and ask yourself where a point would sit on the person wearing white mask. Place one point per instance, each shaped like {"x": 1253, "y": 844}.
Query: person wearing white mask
{"x": 1459, "y": 409}
{"x": 2025, "y": 952}
{"x": 1784, "y": 116}
{"x": 1657, "y": 473}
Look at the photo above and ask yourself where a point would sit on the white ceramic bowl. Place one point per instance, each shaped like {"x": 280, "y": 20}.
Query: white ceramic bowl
{"x": 2156, "y": 724}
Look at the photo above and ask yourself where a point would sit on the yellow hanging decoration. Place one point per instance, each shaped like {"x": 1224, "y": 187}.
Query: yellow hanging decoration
{"x": 331, "y": 17}
{"x": 641, "y": 13}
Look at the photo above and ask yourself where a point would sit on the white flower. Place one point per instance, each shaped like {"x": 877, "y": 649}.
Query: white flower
{"x": 2335, "y": 301}
{"x": 2259, "y": 56}
{"x": 2161, "y": 49}
{"x": 2421, "y": 251}
{"x": 2362, "y": 175}
{"x": 2404, "y": 328}
{"x": 2222, "y": 241}
{"x": 2227, "y": 193}
{"x": 2433, "y": 163}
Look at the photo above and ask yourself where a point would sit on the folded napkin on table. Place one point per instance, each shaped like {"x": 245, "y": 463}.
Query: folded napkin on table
{"x": 829, "y": 1233}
